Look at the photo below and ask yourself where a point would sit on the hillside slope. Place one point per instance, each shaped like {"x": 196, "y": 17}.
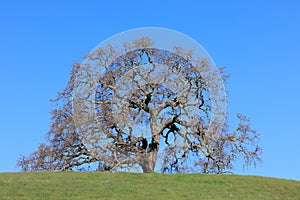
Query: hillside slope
{"x": 75, "y": 185}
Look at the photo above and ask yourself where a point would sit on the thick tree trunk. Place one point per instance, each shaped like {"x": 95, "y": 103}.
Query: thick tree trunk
{"x": 149, "y": 159}
{"x": 149, "y": 162}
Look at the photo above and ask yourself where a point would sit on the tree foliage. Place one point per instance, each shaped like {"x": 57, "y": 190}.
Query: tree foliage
{"x": 144, "y": 109}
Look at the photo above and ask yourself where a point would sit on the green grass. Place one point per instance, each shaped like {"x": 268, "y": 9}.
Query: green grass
{"x": 75, "y": 185}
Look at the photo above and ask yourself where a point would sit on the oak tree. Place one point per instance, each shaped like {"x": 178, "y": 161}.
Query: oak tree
{"x": 146, "y": 109}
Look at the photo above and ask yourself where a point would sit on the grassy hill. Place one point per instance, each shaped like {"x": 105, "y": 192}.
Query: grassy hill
{"x": 75, "y": 185}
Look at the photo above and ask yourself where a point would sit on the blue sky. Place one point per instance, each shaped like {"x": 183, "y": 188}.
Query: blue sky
{"x": 258, "y": 42}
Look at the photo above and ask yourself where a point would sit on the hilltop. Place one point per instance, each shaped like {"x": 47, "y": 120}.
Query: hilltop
{"x": 87, "y": 185}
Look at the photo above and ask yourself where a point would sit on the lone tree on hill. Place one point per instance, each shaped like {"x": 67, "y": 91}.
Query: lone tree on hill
{"x": 143, "y": 110}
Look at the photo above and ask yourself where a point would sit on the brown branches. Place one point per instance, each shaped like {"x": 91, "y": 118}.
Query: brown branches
{"x": 143, "y": 109}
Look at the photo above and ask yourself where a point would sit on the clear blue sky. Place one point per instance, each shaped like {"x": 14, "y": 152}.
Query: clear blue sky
{"x": 258, "y": 41}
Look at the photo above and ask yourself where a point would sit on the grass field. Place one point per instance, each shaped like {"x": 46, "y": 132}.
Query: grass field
{"x": 75, "y": 185}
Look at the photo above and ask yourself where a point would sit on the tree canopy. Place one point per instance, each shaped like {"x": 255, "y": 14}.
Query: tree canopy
{"x": 142, "y": 108}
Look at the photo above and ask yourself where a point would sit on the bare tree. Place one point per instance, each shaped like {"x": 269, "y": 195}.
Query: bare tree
{"x": 144, "y": 109}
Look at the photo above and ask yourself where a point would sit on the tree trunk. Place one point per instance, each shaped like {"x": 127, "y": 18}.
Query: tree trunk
{"x": 149, "y": 162}
{"x": 149, "y": 159}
